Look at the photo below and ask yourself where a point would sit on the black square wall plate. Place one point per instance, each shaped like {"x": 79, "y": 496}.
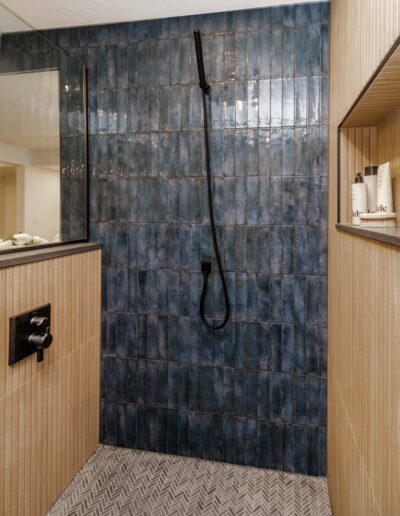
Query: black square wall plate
{"x": 20, "y": 330}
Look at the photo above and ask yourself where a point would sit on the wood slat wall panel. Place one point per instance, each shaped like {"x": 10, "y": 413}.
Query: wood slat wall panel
{"x": 389, "y": 150}
{"x": 364, "y": 288}
{"x": 49, "y": 412}
{"x": 358, "y": 149}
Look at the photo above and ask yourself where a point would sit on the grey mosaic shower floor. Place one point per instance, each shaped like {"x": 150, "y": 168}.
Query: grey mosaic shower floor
{"x": 118, "y": 481}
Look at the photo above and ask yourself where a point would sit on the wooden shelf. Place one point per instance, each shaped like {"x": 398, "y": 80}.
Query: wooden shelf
{"x": 386, "y": 235}
{"x": 38, "y": 254}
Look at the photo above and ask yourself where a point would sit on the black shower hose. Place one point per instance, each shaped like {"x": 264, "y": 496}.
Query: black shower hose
{"x": 206, "y": 266}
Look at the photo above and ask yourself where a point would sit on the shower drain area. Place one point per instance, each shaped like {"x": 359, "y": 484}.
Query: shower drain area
{"x": 119, "y": 481}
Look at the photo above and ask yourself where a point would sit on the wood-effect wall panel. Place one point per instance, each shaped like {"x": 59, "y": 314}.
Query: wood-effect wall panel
{"x": 358, "y": 149}
{"x": 49, "y": 412}
{"x": 364, "y": 288}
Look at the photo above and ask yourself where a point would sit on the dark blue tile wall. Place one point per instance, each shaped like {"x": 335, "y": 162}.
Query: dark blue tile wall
{"x": 255, "y": 392}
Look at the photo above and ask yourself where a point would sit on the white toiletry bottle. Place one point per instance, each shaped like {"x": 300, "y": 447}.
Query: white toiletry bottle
{"x": 384, "y": 189}
{"x": 358, "y": 199}
{"x": 370, "y": 179}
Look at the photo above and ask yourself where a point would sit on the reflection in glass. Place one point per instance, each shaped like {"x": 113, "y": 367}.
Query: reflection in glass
{"x": 43, "y": 161}
{"x": 30, "y": 152}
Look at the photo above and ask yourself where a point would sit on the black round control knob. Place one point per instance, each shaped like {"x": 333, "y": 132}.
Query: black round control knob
{"x": 40, "y": 340}
{"x": 39, "y": 322}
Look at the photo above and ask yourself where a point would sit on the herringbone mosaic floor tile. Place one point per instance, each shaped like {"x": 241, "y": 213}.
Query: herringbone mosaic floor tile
{"x": 122, "y": 482}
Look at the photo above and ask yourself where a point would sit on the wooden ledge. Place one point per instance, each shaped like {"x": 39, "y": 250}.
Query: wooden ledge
{"x": 389, "y": 236}
{"x": 38, "y": 254}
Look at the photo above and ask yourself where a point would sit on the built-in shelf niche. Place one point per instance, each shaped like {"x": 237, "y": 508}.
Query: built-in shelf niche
{"x": 370, "y": 135}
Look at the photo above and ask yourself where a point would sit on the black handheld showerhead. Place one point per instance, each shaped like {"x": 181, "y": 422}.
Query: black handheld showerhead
{"x": 206, "y": 265}
{"x": 200, "y": 64}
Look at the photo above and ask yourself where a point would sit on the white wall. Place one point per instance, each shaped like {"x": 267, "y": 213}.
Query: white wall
{"x": 8, "y": 201}
{"x": 38, "y": 190}
{"x": 41, "y": 202}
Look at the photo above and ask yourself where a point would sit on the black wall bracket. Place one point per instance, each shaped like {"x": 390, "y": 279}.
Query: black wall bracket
{"x": 30, "y": 333}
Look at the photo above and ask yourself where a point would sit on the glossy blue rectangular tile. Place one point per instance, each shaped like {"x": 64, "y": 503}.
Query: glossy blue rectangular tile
{"x": 184, "y": 294}
{"x": 251, "y": 443}
{"x": 197, "y": 156}
{"x": 151, "y": 382}
{"x": 217, "y": 106}
{"x": 300, "y": 366}
{"x": 301, "y": 104}
{"x": 288, "y": 448}
{"x": 288, "y": 245}
{"x": 314, "y": 49}
{"x": 312, "y": 350}
{"x": 312, "y": 450}
{"x": 253, "y": 54}
{"x": 173, "y": 385}
{"x": 277, "y": 295}
{"x": 253, "y": 96}
{"x": 323, "y": 403}
{"x": 313, "y": 100}
{"x": 195, "y": 434}
{"x": 240, "y": 344}
{"x": 263, "y": 395}
{"x": 163, "y": 291}
{"x": 240, "y": 428}
{"x": 252, "y": 346}
{"x": 151, "y": 426}
{"x": 288, "y": 15}
{"x": 194, "y": 388}
{"x": 275, "y": 382}
{"x": 121, "y": 374}
{"x": 287, "y": 398}
{"x": 130, "y": 422}
{"x": 216, "y": 437}
{"x": 183, "y": 422}
{"x": 300, "y": 455}
{"x": 141, "y": 383}
{"x": 323, "y": 338}
{"x": 263, "y": 249}
{"x": 276, "y": 102}
{"x": 275, "y": 446}
{"x": 241, "y": 54}
{"x": 228, "y": 439}
{"x": 288, "y": 207}
{"x": 264, "y": 347}
{"x": 142, "y": 336}
{"x": 313, "y": 405}
{"x": 288, "y": 349}
{"x": 275, "y": 338}
{"x": 323, "y": 300}
{"x": 252, "y": 195}
{"x": 276, "y": 52}
{"x": 313, "y": 300}
{"x": 117, "y": 289}
{"x": 111, "y": 379}
{"x": 131, "y": 335}
{"x": 173, "y": 431}
{"x": 288, "y": 50}
{"x": 288, "y": 101}
{"x": 322, "y": 451}
{"x": 111, "y": 431}
{"x": 241, "y": 296}
{"x": 263, "y": 438}
{"x": 275, "y": 244}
